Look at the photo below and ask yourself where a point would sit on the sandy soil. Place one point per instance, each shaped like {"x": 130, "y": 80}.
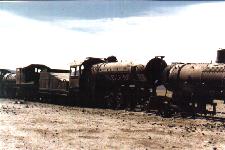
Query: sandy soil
{"x": 46, "y": 126}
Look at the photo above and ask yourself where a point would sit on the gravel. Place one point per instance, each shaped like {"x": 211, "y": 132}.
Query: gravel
{"x": 30, "y": 125}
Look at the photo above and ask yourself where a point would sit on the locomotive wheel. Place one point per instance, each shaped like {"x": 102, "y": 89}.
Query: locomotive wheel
{"x": 111, "y": 101}
{"x": 114, "y": 100}
{"x": 168, "y": 110}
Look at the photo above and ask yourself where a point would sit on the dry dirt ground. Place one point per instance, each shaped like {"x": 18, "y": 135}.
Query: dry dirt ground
{"x": 46, "y": 126}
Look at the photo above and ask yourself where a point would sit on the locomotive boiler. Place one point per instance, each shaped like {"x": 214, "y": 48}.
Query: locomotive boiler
{"x": 121, "y": 83}
{"x": 195, "y": 84}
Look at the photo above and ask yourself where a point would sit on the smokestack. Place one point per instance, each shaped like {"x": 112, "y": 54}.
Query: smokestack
{"x": 220, "y": 56}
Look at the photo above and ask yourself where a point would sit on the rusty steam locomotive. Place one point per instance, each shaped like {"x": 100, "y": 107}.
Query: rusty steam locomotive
{"x": 109, "y": 83}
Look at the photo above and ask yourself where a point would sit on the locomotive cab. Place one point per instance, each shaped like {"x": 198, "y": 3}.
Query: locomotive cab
{"x": 81, "y": 85}
{"x": 27, "y": 80}
{"x": 75, "y": 73}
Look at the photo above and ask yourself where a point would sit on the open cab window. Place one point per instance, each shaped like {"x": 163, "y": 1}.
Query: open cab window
{"x": 76, "y": 70}
{"x": 37, "y": 70}
{"x": 77, "y": 73}
{"x": 72, "y": 71}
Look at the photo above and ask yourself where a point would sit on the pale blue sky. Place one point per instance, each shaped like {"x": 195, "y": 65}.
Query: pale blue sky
{"x": 56, "y": 33}
{"x": 92, "y": 9}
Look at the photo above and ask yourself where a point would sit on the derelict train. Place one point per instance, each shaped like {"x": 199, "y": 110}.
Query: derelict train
{"x": 108, "y": 83}
{"x": 94, "y": 82}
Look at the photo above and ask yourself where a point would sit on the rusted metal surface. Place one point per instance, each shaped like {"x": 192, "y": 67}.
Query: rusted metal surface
{"x": 54, "y": 80}
{"x": 119, "y": 71}
{"x": 29, "y": 74}
{"x": 200, "y": 75}
{"x": 27, "y": 80}
{"x": 197, "y": 85}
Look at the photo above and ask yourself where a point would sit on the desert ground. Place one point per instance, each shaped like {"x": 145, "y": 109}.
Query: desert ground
{"x": 32, "y": 125}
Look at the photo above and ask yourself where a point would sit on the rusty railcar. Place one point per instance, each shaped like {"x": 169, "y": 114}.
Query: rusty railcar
{"x": 108, "y": 82}
{"x": 54, "y": 84}
{"x": 196, "y": 85}
{"x": 27, "y": 80}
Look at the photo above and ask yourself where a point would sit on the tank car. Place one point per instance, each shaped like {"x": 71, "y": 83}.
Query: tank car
{"x": 196, "y": 85}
